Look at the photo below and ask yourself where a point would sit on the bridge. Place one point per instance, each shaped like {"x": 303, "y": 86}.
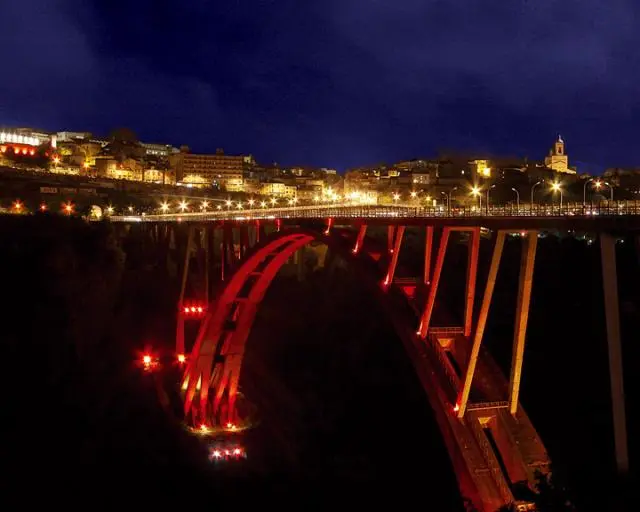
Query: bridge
{"x": 493, "y": 445}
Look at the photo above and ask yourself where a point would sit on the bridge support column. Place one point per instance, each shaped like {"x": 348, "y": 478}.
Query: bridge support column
{"x": 244, "y": 240}
{"x": 482, "y": 322}
{"x": 425, "y": 320}
{"x": 428, "y": 243}
{"x": 207, "y": 239}
{"x": 527, "y": 262}
{"x": 361, "y": 234}
{"x": 391, "y": 231}
{"x": 391, "y": 271}
{"x": 183, "y": 286}
{"x": 329, "y": 225}
{"x": 472, "y": 272}
{"x": 612, "y": 313}
{"x": 258, "y": 229}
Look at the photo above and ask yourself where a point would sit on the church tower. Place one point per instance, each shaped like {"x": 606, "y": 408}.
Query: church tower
{"x": 558, "y": 159}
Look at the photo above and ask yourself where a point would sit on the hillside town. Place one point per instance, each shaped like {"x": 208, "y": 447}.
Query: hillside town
{"x": 460, "y": 178}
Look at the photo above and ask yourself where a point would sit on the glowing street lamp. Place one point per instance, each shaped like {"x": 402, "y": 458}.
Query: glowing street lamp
{"x": 475, "y": 191}
{"x": 228, "y": 203}
{"x": 533, "y": 188}
{"x": 204, "y": 205}
{"x": 183, "y": 206}
{"x": 109, "y": 209}
{"x": 414, "y": 194}
{"x": 263, "y": 204}
{"x": 164, "y": 207}
{"x": 517, "y": 198}
{"x": 219, "y": 207}
{"x": 488, "y": 189}
{"x": 17, "y": 206}
{"x": 68, "y": 208}
{"x": 599, "y": 184}
{"x": 396, "y": 197}
{"x": 556, "y": 187}
{"x": 251, "y": 201}
{"x": 273, "y": 201}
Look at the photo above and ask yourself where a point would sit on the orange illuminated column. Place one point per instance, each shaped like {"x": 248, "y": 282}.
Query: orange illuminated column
{"x": 472, "y": 271}
{"x": 522, "y": 315}
{"x": 360, "y": 240}
{"x": 391, "y": 230}
{"x": 394, "y": 257}
{"x": 428, "y": 244}
{"x": 329, "y": 226}
{"x": 612, "y": 314}
{"x": 461, "y": 404}
{"x": 425, "y": 320}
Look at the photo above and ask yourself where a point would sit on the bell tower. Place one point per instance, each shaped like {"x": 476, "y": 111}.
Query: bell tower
{"x": 558, "y": 159}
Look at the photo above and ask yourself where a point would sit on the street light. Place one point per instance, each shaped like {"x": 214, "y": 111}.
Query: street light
{"x": 448, "y": 196}
{"x": 492, "y": 186}
{"x": 600, "y": 183}
{"x": 555, "y": 186}
{"x": 517, "y": 198}
{"x": 164, "y": 207}
{"x": 584, "y": 190}
{"x": 475, "y": 191}
{"x": 532, "y": 190}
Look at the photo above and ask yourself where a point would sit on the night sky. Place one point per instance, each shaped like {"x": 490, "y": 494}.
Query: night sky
{"x": 333, "y": 83}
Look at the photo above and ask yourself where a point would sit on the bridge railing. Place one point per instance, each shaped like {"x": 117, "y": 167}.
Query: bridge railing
{"x": 606, "y": 209}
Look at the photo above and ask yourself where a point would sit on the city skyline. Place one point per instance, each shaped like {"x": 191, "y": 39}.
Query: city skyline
{"x": 333, "y": 85}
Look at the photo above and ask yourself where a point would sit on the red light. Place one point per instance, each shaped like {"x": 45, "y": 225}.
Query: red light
{"x": 32, "y": 152}
{"x": 146, "y": 359}
{"x": 227, "y": 452}
{"x": 43, "y": 207}
{"x": 237, "y": 451}
{"x": 199, "y": 310}
{"x": 193, "y": 309}
{"x": 181, "y": 358}
{"x": 24, "y": 151}
{"x": 186, "y": 310}
{"x": 456, "y": 408}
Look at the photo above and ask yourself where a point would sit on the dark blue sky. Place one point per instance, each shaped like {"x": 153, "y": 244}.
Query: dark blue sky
{"x": 332, "y": 83}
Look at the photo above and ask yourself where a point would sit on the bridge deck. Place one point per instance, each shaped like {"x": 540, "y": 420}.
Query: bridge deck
{"x": 623, "y": 217}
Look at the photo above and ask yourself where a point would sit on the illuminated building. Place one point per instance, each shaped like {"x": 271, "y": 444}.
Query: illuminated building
{"x": 213, "y": 169}
{"x": 558, "y": 159}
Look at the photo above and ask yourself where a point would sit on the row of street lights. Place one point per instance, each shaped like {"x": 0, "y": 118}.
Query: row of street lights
{"x": 555, "y": 187}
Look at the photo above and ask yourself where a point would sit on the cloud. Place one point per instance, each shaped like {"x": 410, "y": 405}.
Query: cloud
{"x": 57, "y": 80}
{"x": 520, "y": 52}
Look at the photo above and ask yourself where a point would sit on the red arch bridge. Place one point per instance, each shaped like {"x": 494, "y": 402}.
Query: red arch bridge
{"x": 470, "y": 396}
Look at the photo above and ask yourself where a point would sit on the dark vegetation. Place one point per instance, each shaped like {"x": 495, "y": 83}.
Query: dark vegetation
{"x": 342, "y": 416}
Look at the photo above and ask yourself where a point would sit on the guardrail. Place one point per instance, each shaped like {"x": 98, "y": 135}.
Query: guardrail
{"x": 394, "y": 211}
